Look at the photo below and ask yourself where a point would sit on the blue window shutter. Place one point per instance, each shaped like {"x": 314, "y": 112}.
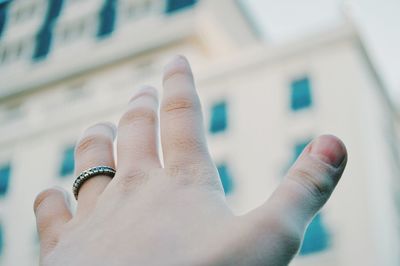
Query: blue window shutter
{"x": 299, "y": 147}
{"x": 3, "y": 16}
{"x": 226, "y": 178}
{"x": 107, "y": 18}
{"x": 301, "y": 97}
{"x": 43, "y": 41}
{"x": 54, "y": 10}
{"x": 316, "y": 238}
{"x": 219, "y": 117}
{"x": 67, "y": 163}
{"x": 177, "y": 5}
{"x": 45, "y": 34}
{"x": 5, "y": 173}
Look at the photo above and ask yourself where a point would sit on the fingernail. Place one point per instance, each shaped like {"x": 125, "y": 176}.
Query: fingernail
{"x": 178, "y": 64}
{"x": 98, "y": 128}
{"x": 144, "y": 90}
{"x": 329, "y": 149}
{"x": 178, "y": 60}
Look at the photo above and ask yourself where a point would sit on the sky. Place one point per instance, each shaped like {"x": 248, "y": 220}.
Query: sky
{"x": 378, "y": 22}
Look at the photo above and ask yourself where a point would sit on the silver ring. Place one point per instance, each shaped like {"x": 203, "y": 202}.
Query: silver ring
{"x": 89, "y": 173}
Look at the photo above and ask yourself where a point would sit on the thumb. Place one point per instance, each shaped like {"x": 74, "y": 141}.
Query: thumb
{"x": 307, "y": 186}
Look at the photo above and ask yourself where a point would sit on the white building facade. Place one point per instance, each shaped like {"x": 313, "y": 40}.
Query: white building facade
{"x": 65, "y": 64}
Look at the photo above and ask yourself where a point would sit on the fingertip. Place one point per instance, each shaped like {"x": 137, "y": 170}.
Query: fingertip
{"x": 52, "y": 211}
{"x": 145, "y": 90}
{"x": 329, "y": 149}
{"x": 177, "y": 65}
{"x": 177, "y": 60}
{"x": 311, "y": 180}
{"x": 107, "y": 129}
{"x": 47, "y": 194}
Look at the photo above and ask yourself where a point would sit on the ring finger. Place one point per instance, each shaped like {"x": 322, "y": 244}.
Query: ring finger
{"x": 94, "y": 148}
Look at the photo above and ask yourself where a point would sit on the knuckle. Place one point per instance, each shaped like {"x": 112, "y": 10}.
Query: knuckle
{"x": 183, "y": 176}
{"x": 92, "y": 142}
{"x": 194, "y": 174}
{"x": 179, "y": 104}
{"x": 139, "y": 115}
{"x": 50, "y": 243}
{"x": 185, "y": 143}
{"x": 126, "y": 181}
{"x": 315, "y": 183}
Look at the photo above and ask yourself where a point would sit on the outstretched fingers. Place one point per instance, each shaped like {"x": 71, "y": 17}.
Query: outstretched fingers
{"x": 137, "y": 144}
{"x": 94, "y": 148}
{"x": 182, "y": 132}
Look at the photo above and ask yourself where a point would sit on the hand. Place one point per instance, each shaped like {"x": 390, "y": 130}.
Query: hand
{"x": 175, "y": 213}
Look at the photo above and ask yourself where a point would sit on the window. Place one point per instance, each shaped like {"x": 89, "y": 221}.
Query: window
{"x": 219, "y": 117}
{"x": 43, "y": 41}
{"x": 299, "y": 147}
{"x": 3, "y": 15}
{"x": 5, "y": 172}
{"x": 45, "y": 35}
{"x": 316, "y": 238}
{"x": 107, "y": 19}
{"x": 226, "y": 178}
{"x": 67, "y": 163}
{"x": 301, "y": 94}
{"x": 177, "y": 5}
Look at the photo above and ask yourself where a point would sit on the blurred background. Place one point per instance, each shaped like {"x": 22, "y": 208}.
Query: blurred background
{"x": 272, "y": 75}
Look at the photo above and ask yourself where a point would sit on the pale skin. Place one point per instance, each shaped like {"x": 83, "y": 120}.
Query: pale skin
{"x": 174, "y": 212}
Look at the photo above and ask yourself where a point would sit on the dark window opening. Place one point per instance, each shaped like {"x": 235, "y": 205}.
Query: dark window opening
{"x": 299, "y": 147}
{"x": 316, "y": 238}
{"x": 301, "y": 94}
{"x": 43, "y": 41}
{"x": 107, "y": 19}
{"x": 177, "y": 5}
{"x": 219, "y": 117}
{"x": 45, "y": 35}
{"x": 226, "y": 178}
{"x": 5, "y": 173}
{"x": 67, "y": 163}
{"x": 3, "y": 16}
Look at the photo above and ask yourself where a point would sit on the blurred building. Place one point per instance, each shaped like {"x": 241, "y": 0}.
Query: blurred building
{"x": 67, "y": 64}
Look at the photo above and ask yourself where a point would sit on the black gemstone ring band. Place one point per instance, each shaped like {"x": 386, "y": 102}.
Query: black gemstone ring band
{"x": 89, "y": 173}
